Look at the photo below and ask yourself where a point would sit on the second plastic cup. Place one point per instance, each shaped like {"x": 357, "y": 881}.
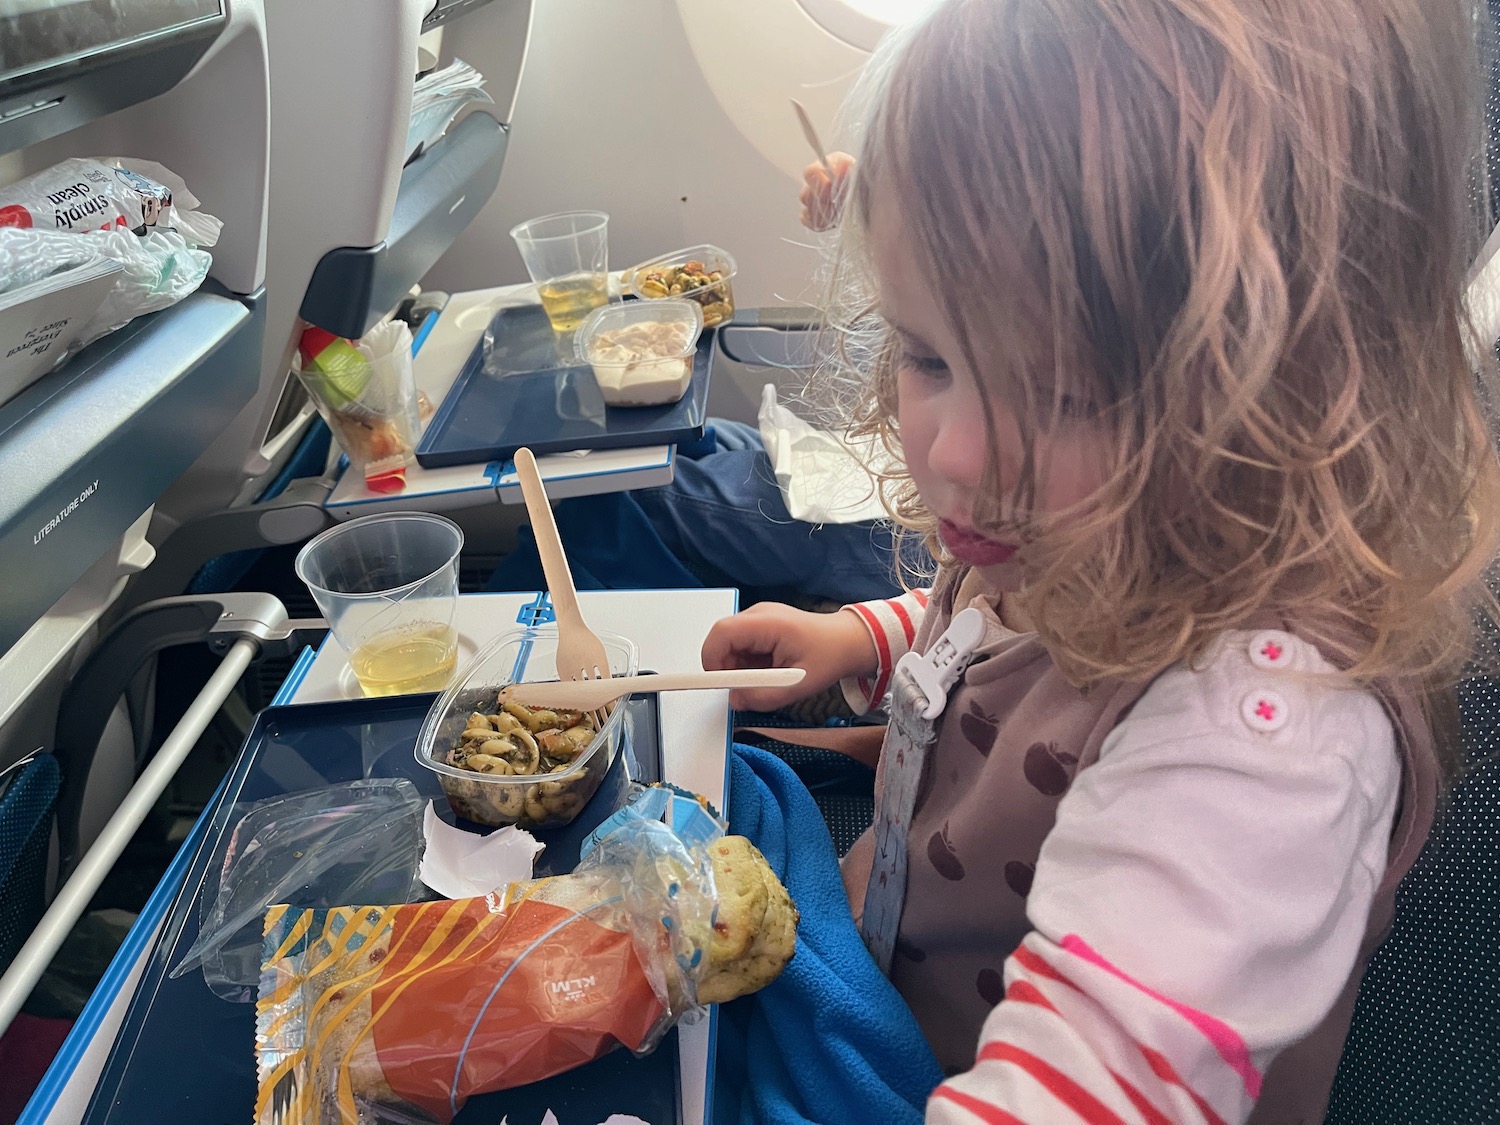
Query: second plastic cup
{"x": 567, "y": 256}
{"x": 388, "y": 587}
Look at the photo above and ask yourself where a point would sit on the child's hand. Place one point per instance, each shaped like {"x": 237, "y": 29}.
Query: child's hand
{"x": 829, "y": 646}
{"x": 823, "y": 196}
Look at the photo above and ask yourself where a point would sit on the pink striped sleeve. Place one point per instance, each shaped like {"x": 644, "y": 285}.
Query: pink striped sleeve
{"x": 1076, "y": 1040}
{"x": 893, "y": 627}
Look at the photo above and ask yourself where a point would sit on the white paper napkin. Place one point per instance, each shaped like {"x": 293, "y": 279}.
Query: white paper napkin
{"x": 459, "y": 864}
{"x": 820, "y": 477}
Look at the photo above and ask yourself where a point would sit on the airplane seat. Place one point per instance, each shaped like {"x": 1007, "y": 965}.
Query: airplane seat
{"x": 28, "y": 798}
{"x": 92, "y": 445}
{"x": 303, "y": 155}
{"x": 353, "y": 225}
{"x": 308, "y": 459}
{"x": 1421, "y": 1049}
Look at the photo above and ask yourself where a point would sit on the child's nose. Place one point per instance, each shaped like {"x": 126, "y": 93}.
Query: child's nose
{"x": 961, "y": 450}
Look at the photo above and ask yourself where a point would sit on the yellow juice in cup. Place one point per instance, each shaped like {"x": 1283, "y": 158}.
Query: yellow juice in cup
{"x": 418, "y": 657}
{"x": 569, "y": 300}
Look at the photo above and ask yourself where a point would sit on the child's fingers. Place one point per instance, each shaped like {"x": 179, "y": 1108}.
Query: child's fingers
{"x": 763, "y": 699}
{"x": 822, "y": 195}
{"x": 817, "y": 190}
{"x": 819, "y": 212}
{"x": 815, "y": 179}
{"x": 733, "y": 657}
{"x": 742, "y": 641}
{"x": 814, "y": 222}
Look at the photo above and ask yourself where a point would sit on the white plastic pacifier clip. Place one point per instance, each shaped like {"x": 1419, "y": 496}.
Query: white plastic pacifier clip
{"x": 939, "y": 668}
{"x": 919, "y": 692}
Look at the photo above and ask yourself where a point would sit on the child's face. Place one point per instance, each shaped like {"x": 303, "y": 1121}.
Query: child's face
{"x": 942, "y": 418}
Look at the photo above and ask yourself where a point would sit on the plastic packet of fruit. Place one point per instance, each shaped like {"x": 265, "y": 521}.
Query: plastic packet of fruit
{"x": 367, "y": 394}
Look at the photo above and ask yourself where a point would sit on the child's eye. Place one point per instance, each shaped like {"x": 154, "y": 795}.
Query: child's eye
{"x": 926, "y": 363}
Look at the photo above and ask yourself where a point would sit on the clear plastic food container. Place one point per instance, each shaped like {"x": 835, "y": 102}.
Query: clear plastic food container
{"x": 537, "y": 797}
{"x": 642, "y": 351}
{"x": 702, "y": 273}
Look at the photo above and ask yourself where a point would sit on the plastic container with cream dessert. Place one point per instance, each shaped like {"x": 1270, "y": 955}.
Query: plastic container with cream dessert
{"x": 641, "y": 351}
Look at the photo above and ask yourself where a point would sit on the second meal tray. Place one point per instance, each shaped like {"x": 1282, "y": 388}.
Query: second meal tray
{"x": 519, "y": 388}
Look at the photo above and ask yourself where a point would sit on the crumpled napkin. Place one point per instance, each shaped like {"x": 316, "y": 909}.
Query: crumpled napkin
{"x": 822, "y": 479}
{"x": 459, "y": 864}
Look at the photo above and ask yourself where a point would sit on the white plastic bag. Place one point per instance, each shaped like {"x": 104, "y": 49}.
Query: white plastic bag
{"x": 821, "y": 478}
{"x": 28, "y": 256}
{"x": 83, "y": 195}
{"x": 134, "y": 212}
{"x": 158, "y": 270}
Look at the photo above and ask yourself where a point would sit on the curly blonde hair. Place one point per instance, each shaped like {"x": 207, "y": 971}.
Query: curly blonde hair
{"x": 1244, "y": 224}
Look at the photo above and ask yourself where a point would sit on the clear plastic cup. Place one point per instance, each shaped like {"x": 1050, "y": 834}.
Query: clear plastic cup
{"x": 388, "y": 587}
{"x": 567, "y": 256}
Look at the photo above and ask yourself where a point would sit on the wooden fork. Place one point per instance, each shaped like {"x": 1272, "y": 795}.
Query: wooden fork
{"x": 812, "y": 136}
{"x": 580, "y": 653}
{"x": 574, "y": 695}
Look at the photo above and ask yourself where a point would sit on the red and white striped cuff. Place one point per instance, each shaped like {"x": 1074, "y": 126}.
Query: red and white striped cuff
{"x": 892, "y": 625}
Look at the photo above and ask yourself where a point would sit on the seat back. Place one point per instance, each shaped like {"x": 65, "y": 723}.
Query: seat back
{"x": 1424, "y": 1048}
{"x": 26, "y": 805}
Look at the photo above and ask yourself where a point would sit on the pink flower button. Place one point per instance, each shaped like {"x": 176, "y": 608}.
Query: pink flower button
{"x": 1271, "y": 649}
{"x": 1264, "y": 711}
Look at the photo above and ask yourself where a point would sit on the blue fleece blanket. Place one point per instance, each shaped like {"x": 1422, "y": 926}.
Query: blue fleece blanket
{"x": 831, "y": 1041}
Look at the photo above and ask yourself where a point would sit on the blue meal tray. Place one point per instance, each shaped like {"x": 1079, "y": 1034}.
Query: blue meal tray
{"x": 186, "y": 1057}
{"x": 519, "y": 389}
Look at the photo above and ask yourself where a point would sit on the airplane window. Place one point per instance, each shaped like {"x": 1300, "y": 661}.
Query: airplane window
{"x": 891, "y": 11}
{"x": 861, "y": 23}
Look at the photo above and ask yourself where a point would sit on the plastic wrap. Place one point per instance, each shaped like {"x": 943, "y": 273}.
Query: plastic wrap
{"x": 134, "y": 212}
{"x": 416, "y": 1008}
{"x": 82, "y": 195}
{"x": 29, "y": 256}
{"x": 370, "y": 404}
{"x": 356, "y": 842}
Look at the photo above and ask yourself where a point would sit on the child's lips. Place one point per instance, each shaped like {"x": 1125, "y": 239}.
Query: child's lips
{"x": 971, "y": 548}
